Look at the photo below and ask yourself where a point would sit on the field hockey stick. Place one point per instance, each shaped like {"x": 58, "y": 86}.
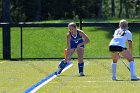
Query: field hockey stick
{"x": 123, "y": 62}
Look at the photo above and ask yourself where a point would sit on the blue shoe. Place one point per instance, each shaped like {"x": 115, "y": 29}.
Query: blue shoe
{"x": 61, "y": 66}
{"x": 134, "y": 78}
{"x": 56, "y": 73}
{"x": 114, "y": 78}
{"x": 82, "y": 74}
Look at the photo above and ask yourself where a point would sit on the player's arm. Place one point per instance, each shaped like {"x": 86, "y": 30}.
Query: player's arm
{"x": 85, "y": 37}
{"x": 63, "y": 63}
{"x": 130, "y": 47}
{"x": 68, "y": 47}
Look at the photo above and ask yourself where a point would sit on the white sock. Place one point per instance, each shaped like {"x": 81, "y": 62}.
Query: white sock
{"x": 114, "y": 65}
{"x": 132, "y": 68}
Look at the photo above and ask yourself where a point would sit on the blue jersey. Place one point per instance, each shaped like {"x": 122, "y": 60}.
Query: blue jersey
{"x": 74, "y": 41}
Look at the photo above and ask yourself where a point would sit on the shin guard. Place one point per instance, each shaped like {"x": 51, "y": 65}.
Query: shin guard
{"x": 61, "y": 66}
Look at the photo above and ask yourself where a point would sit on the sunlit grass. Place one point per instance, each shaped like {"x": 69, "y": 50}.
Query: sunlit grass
{"x": 51, "y": 42}
{"x": 18, "y": 76}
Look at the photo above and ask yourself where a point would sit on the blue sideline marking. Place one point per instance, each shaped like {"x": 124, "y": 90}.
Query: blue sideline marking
{"x": 44, "y": 81}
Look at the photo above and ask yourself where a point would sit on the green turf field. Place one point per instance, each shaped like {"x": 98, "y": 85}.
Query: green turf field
{"x": 16, "y": 77}
{"x": 41, "y": 42}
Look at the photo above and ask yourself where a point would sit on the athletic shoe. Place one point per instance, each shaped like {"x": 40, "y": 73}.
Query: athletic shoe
{"x": 55, "y": 73}
{"x": 114, "y": 78}
{"x": 58, "y": 75}
{"x": 82, "y": 74}
{"x": 134, "y": 78}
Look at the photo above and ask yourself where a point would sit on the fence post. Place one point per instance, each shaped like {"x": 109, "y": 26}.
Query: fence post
{"x": 6, "y": 29}
{"x": 21, "y": 43}
{"x": 139, "y": 43}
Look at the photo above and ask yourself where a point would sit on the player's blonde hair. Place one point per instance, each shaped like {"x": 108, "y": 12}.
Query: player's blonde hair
{"x": 72, "y": 24}
{"x": 123, "y": 24}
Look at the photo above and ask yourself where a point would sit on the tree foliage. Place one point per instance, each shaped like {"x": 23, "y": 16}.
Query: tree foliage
{"x": 0, "y": 10}
{"x": 33, "y": 10}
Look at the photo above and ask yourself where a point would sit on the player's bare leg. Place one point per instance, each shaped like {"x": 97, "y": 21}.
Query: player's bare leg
{"x": 115, "y": 58}
{"x": 64, "y": 62}
{"x": 126, "y": 54}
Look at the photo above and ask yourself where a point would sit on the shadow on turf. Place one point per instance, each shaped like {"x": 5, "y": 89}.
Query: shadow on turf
{"x": 122, "y": 80}
{"x": 126, "y": 80}
{"x": 82, "y": 76}
{"x": 75, "y": 76}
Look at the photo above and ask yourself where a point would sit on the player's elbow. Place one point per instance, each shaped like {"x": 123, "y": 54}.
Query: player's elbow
{"x": 87, "y": 41}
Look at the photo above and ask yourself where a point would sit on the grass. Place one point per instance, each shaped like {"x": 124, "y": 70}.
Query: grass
{"x": 16, "y": 77}
{"x": 97, "y": 80}
{"x": 50, "y": 42}
{"x": 40, "y": 42}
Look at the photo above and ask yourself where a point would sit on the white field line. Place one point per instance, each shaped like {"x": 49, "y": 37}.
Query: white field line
{"x": 44, "y": 81}
{"x": 66, "y": 80}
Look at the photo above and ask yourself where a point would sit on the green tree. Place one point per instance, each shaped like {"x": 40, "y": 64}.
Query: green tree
{"x": 126, "y": 8}
{"x": 17, "y": 10}
{"x": 99, "y": 8}
{"x": 39, "y": 10}
{"x": 137, "y": 7}
{"x": 87, "y": 8}
{"x": 113, "y": 7}
{"x": 30, "y": 7}
{"x": 33, "y": 10}
{"x": 0, "y": 10}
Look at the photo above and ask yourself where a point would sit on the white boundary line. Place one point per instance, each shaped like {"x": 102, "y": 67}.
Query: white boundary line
{"x": 44, "y": 81}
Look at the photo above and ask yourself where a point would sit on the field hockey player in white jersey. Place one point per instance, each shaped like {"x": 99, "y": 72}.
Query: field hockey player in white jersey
{"x": 117, "y": 47}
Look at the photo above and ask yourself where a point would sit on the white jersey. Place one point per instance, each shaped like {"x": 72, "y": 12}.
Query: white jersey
{"x": 120, "y": 37}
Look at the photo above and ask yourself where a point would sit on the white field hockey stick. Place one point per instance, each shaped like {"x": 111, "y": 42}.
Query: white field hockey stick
{"x": 123, "y": 62}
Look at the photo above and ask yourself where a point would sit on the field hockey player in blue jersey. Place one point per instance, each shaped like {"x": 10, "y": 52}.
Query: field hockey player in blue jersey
{"x": 76, "y": 40}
